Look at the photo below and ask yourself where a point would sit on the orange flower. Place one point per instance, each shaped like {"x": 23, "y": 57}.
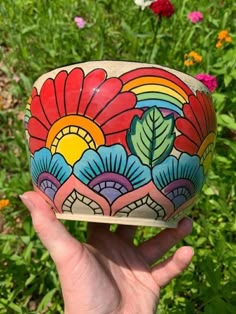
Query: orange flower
{"x": 188, "y": 63}
{"x": 223, "y": 36}
{"x": 4, "y": 203}
{"x": 197, "y": 58}
{"x": 228, "y": 39}
{"x": 191, "y": 58}
{"x": 219, "y": 44}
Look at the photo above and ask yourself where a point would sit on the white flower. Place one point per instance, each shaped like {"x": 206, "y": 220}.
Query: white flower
{"x": 143, "y": 3}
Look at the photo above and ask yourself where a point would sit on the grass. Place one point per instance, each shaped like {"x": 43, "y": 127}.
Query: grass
{"x": 37, "y": 36}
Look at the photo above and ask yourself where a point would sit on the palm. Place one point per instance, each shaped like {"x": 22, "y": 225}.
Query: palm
{"x": 108, "y": 274}
{"x": 122, "y": 271}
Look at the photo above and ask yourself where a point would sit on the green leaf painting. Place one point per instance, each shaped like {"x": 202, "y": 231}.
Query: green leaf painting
{"x": 151, "y": 137}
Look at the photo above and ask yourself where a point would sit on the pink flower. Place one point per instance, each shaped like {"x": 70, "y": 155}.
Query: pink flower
{"x": 208, "y": 80}
{"x": 195, "y": 16}
{"x": 80, "y": 22}
{"x": 16, "y": 78}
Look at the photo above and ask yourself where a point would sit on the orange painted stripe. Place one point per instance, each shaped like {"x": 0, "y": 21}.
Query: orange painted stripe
{"x": 211, "y": 137}
{"x": 73, "y": 120}
{"x": 147, "y": 80}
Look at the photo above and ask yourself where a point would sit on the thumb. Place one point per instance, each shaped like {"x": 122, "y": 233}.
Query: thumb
{"x": 54, "y": 236}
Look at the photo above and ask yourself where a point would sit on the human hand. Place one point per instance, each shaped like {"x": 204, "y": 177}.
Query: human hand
{"x": 108, "y": 274}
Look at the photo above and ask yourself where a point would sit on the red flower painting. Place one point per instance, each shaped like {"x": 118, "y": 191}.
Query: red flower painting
{"x": 74, "y": 110}
{"x": 197, "y": 128}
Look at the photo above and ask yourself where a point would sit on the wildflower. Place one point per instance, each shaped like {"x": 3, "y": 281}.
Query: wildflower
{"x": 162, "y": 8}
{"x": 195, "y": 16}
{"x": 192, "y": 58}
{"x": 223, "y": 34}
{"x": 196, "y": 57}
{"x": 223, "y": 37}
{"x": 80, "y": 22}
{"x": 228, "y": 39}
{"x": 143, "y": 3}
{"x": 16, "y": 78}
{"x": 208, "y": 80}
{"x": 188, "y": 63}
{"x": 4, "y": 203}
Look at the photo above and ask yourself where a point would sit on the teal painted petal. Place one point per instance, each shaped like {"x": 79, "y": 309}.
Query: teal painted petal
{"x": 89, "y": 166}
{"x": 186, "y": 167}
{"x": 114, "y": 159}
{"x": 59, "y": 168}
{"x": 189, "y": 167}
{"x": 179, "y": 179}
{"x": 39, "y": 162}
{"x": 136, "y": 172}
{"x": 44, "y": 162}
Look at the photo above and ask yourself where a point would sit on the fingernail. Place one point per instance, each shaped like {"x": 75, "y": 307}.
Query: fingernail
{"x": 28, "y": 203}
{"x": 190, "y": 248}
{"x": 187, "y": 223}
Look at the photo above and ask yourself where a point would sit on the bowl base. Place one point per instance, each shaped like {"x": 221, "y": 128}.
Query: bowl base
{"x": 119, "y": 220}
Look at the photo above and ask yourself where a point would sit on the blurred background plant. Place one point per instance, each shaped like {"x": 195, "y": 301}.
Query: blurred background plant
{"x": 37, "y": 36}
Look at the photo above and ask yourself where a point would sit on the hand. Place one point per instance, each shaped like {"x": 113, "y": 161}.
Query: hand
{"x": 108, "y": 274}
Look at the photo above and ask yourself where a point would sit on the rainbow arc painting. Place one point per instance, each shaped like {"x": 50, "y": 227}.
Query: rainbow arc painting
{"x": 122, "y": 141}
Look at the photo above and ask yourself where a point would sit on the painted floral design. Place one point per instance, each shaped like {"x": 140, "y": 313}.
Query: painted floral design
{"x": 110, "y": 172}
{"x": 197, "y": 128}
{"x": 179, "y": 179}
{"x": 49, "y": 172}
{"x": 137, "y": 145}
{"x": 80, "y": 112}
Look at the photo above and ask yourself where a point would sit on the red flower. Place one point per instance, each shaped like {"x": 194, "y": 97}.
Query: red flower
{"x": 74, "y": 110}
{"x": 162, "y": 8}
{"x": 197, "y": 128}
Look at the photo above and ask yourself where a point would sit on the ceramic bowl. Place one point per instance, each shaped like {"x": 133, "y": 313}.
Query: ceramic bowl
{"x": 120, "y": 142}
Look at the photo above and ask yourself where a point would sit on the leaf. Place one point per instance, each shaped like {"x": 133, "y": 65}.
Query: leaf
{"x": 27, "y": 252}
{"x": 16, "y": 308}
{"x": 227, "y": 121}
{"x": 46, "y": 299}
{"x": 151, "y": 137}
{"x": 29, "y": 29}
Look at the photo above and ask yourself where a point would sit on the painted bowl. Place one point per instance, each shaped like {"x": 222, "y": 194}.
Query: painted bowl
{"x": 120, "y": 142}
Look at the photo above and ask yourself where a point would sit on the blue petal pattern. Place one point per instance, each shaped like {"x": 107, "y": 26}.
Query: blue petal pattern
{"x": 44, "y": 162}
{"x": 179, "y": 179}
{"x": 111, "y": 159}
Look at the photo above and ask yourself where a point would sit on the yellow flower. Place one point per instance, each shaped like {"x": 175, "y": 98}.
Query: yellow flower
{"x": 4, "y": 203}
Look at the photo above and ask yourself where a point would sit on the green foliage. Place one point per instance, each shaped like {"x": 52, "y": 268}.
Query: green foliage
{"x": 37, "y": 36}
